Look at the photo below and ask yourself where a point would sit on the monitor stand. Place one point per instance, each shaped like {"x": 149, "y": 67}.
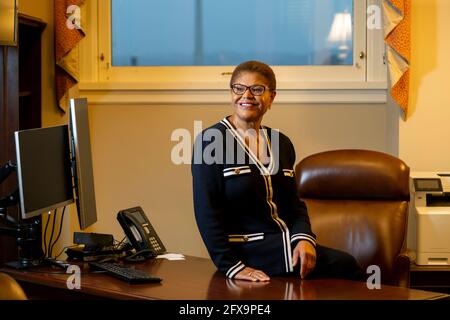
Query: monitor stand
{"x": 26, "y": 257}
{"x": 26, "y": 235}
{"x": 24, "y": 264}
{"x": 27, "y": 263}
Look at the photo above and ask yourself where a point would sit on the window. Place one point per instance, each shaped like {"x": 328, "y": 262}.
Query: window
{"x": 159, "y": 46}
{"x": 221, "y": 33}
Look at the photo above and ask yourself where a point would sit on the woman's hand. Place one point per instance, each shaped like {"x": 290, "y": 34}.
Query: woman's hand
{"x": 306, "y": 253}
{"x": 252, "y": 275}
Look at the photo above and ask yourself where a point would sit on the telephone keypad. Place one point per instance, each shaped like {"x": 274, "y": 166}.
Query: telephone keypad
{"x": 154, "y": 243}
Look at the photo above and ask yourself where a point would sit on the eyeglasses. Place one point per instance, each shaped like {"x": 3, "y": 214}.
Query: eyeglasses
{"x": 256, "y": 90}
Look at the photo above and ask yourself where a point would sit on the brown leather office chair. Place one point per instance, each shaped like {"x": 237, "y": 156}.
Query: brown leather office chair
{"x": 10, "y": 289}
{"x": 358, "y": 202}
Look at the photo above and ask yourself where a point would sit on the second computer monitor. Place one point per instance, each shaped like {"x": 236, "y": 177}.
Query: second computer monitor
{"x": 82, "y": 162}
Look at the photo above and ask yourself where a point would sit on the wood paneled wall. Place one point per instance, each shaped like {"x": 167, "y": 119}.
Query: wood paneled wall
{"x": 9, "y": 122}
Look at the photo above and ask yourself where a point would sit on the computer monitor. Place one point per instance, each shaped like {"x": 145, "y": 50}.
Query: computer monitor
{"x": 43, "y": 169}
{"x": 82, "y": 162}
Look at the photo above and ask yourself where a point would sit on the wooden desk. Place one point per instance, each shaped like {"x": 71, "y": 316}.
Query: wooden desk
{"x": 197, "y": 279}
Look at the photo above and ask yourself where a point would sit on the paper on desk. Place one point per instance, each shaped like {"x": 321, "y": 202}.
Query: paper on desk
{"x": 171, "y": 256}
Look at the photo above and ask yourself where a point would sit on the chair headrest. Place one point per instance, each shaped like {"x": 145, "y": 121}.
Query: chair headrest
{"x": 352, "y": 174}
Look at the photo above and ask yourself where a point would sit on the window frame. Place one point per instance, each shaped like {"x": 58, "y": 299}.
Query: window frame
{"x": 366, "y": 83}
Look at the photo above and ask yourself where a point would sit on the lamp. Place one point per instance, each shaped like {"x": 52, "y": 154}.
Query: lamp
{"x": 341, "y": 32}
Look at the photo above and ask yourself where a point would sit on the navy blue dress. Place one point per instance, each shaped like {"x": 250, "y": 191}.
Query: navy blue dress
{"x": 248, "y": 213}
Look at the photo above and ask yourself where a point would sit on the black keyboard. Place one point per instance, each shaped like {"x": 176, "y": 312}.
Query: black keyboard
{"x": 130, "y": 275}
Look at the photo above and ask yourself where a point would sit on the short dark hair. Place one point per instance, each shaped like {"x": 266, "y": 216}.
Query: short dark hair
{"x": 257, "y": 67}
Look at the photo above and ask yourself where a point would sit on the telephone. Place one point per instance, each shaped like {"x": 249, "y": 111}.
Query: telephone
{"x": 140, "y": 233}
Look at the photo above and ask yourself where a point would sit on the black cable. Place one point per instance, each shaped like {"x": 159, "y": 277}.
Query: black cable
{"x": 141, "y": 255}
{"x": 45, "y": 235}
{"x": 53, "y": 230}
{"x": 62, "y": 250}
{"x": 117, "y": 246}
{"x": 59, "y": 232}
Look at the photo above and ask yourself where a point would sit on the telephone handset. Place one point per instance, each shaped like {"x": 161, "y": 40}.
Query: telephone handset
{"x": 140, "y": 232}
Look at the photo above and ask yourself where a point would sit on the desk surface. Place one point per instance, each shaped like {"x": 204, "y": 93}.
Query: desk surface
{"x": 197, "y": 279}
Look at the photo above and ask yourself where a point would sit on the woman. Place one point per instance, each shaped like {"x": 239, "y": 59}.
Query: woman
{"x": 245, "y": 199}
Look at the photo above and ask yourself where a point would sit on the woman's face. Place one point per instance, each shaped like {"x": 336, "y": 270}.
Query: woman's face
{"x": 248, "y": 107}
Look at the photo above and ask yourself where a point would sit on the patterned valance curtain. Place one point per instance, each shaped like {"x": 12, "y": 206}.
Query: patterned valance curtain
{"x": 397, "y": 31}
{"x": 68, "y": 33}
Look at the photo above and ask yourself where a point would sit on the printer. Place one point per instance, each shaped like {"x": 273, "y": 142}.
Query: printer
{"x": 429, "y": 217}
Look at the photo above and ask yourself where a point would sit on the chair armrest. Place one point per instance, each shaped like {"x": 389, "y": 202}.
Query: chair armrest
{"x": 402, "y": 267}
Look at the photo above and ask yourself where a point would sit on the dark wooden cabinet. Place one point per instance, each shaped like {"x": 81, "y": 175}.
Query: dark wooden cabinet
{"x": 20, "y": 105}
{"x": 9, "y": 122}
{"x": 30, "y": 73}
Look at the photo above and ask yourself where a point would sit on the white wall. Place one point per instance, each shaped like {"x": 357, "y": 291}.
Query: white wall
{"x": 132, "y": 163}
{"x": 424, "y": 137}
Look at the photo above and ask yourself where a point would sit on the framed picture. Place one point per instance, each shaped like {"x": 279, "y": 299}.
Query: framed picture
{"x": 8, "y": 22}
